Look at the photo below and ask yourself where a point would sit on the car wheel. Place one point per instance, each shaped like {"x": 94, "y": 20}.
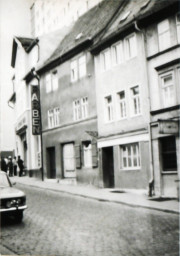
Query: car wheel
{"x": 19, "y": 216}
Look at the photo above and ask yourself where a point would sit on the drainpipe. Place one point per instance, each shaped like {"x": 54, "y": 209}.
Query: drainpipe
{"x": 35, "y": 75}
{"x": 151, "y": 179}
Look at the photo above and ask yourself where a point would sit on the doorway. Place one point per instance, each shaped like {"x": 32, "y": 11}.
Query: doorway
{"x": 108, "y": 167}
{"x": 51, "y": 163}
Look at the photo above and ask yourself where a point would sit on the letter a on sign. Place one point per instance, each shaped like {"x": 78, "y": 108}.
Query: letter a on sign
{"x": 35, "y": 105}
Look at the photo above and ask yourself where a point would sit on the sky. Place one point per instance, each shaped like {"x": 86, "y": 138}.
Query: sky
{"x": 14, "y": 21}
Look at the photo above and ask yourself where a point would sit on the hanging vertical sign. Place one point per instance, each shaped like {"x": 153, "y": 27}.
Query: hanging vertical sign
{"x": 35, "y": 103}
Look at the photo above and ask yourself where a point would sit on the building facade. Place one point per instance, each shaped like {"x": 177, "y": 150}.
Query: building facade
{"x": 163, "y": 59}
{"x": 123, "y": 103}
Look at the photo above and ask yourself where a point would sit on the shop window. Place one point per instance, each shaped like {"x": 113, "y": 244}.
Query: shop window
{"x": 168, "y": 154}
{"x": 130, "y": 157}
{"x": 164, "y": 35}
{"x": 135, "y": 96}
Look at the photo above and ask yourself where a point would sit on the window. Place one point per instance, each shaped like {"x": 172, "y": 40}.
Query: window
{"x": 168, "y": 90}
{"x": 51, "y": 118}
{"x": 130, "y": 46}
{"x": 78, "y": 68}
{"x": 48, "y": 83}
{"x": 87, "y": 154}
{"x": 168, "y": 153}
{"x": 178, "y": 26}
{"x": 51, "y": 82}
{"x": 76, "y": 110}
{"x": 80, "y": 109}
{"x": 54, "y": 81}
{"x": 56, "y": 116}
{"x": 121, "y": 104}
{"x": 74, "y": 71}
{"x": 106, "y": 60}
{"x": 108, "y": 109}
{"x": 82, "y": 66}
{"x": 84, "y": 107}
{"x": 136, "y": 108}
{"x": 130, "y": 157}
{"x": 164, "y": 35}
{"x": 117, "y": 53}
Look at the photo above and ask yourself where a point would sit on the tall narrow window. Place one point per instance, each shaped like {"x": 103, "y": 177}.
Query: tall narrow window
{"x": 56, "y": 116}
{"x": 164, "y": 35}
{"x": 136, "y": 108}
{"x": 84, "y": 107}
{"x": 82, "y": 66}
{"x": 109, "y": 108}
{"x": 51, "y": 118}
{"x": 178, "y": 26}
{"x": 87, "y": 154}
{"x": 122, "y": 104}
{"x": 54, "y": 81}
{"x": 117, "y": 53}
{"x": 131, "y": 46}
{"x": 130, "y": 156}
{"x": 48, "y": 83}
{"x": 106, "y": 60}
{"x": 168, "y": 89}
{"x": 77, "y": 110}
{"x": 74, "y": 71}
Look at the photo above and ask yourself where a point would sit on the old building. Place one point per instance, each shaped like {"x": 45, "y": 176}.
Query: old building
{"x": 163, "y": 60}
{"x": 123, "y": 102}
{"x": 69, "y": 115}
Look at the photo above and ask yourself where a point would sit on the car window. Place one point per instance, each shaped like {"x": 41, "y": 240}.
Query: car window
{"x": 4, "y": 182}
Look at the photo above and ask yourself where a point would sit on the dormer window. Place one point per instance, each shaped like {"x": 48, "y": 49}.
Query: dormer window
{"x": 124, "y": 17}
{"x": 145, "y": 4}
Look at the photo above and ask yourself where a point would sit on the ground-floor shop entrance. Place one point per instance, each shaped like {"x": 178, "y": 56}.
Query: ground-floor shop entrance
{"x": 51, "y": 163}
{"x": 108, "y": 167}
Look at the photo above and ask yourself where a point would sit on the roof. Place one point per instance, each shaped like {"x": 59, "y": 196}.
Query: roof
{"x": 136, "y": 10}
{"x": 86, "y": 28}
{"x": 27, "y": 44}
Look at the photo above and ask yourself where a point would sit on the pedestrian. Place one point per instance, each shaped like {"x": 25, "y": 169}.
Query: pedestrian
{"x": 21, "y": 166}
{"x": 15, "y": 166}
{"x": 10, "y": 166}
{"x": 3, "y": 165}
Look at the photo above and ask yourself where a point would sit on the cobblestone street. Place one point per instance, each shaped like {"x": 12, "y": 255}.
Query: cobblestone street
{"x": 63, "y": 225}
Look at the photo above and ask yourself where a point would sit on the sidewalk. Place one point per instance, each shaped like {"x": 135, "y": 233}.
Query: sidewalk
{"x": 129, "y": 198}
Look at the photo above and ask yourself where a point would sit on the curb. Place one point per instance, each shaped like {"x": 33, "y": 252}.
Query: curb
{"x": 105, "y": 200}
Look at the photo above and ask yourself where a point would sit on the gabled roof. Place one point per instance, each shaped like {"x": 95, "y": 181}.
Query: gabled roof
{"x": 27, "y": 44}
{"x": 85, "y": 29}
{"x": 144, "y": 12}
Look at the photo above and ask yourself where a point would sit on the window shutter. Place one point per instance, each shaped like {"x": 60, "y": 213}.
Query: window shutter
{"x": 78, "y": 155}
{"x": 94, "y": 154}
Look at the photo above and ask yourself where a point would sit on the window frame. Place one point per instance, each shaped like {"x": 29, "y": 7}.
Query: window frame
{"x": 128, "y": 51}
{"x": 50, "y": 118}
{"x": 178, "y": 27}
{"x": 82, "y": 66}
{"x": 121, "y": 102}
{"x": 74, "y": 70}
{"x": 165, "y": 33}
{"x": 84, "y": 107}
{"x": 104, "y": 66}
{"x": 131, "y": 156}
{"x": 133, "y": 103}
{"x": 116, "y": 52}
{"x": 56, "y": 116}
{"x": 54, "y": 76}
{"x": 48, "y": 83}
{"x": 109, "y": 109}
{"x": 85, "y": 164}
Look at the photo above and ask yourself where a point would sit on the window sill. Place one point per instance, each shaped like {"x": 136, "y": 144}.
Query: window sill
{"x": 131, "y": 169}
{"x": 168, "y": 172}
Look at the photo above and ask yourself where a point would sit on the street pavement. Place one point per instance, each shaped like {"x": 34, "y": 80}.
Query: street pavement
{"x": 60, "y": 224}
{"x": 132, "y": 198}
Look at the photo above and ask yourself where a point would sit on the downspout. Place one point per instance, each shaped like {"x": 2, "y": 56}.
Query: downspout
{"x": 151, "y": 179}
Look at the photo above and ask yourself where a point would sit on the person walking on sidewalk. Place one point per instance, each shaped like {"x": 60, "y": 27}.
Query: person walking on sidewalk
{"x": 10, "y": 166}
{"x": 14, "y": 166}
{"x": 21, "y": 166}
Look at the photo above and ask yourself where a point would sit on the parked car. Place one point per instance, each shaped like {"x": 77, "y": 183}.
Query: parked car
{"x": 12, "y": 200}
